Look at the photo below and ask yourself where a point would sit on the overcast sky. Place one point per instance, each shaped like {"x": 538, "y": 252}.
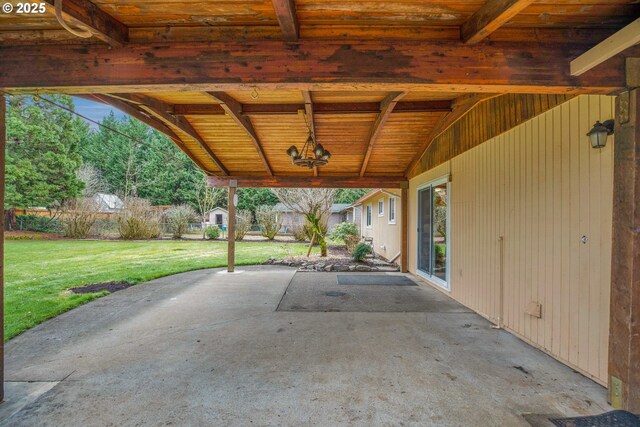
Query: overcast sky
{"x": 95, "y": 110}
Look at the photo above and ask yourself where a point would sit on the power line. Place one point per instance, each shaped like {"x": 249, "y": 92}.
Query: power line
{"x": 137, "y": 141}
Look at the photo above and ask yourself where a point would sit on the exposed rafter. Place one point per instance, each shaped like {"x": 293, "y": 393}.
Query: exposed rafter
{"x": 234, "y": 109}
{"x": 317, "y": 108}
{"x": 400, "y": 65}
{"x": 461, "y": 106}
{"x": 311, "y": 181}
{"x": 286, "y": 13}
{"x": 623, "y": 39}
{"x": 491, "y": 16}
{"x": 386, "y": 107}
{"x": 138, "y": 113}
{"x": 162, "y": 111}
{"x": 86, "y": 15}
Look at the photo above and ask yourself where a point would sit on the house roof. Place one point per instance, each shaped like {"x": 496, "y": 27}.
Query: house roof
{"x": 372, "y": 194}
{"x": 218, "y": 208}
{"x": 111, "y": 201}
{"x": 335, "y": 208}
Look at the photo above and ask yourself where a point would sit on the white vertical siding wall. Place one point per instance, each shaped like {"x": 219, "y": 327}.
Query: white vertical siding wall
{"x": 542, "y": 187}
{"x": 383, "y": 233}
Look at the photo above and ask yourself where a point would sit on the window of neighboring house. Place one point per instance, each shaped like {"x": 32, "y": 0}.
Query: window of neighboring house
{"x": 218, "y": 219}
{"x": 392, "y": 210}
{"x": 368, "y": 220}
{"x": 381, "y": 207}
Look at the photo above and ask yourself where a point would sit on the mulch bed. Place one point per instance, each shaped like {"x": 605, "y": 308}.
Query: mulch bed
{"x": 99, "y": 287}
{"x": 31, "y": 235}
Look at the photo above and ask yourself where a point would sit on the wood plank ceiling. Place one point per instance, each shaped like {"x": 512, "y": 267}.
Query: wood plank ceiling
{"x": 374, "y": 132}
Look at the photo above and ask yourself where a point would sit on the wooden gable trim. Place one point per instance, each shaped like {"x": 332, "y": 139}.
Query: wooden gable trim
{"x": 85, "y": 14}
{"x": 461, "y": 106}
{"x": 286, "y": 14}
{"x": 486, "y": 120}
{"x": 386, "y": 107}
{"x": 234, "y": 109}
{"x": 491, "y": 16}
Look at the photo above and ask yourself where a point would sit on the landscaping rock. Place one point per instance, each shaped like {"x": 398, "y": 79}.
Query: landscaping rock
{"x": 328, "y": 267}
{"x": 363, "y": 268}
{"x": 340, "y": 268}
{"x": 352, "y": 268}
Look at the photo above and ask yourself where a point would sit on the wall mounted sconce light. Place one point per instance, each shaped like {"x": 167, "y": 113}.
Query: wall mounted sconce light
{"x": 600, "y": 132}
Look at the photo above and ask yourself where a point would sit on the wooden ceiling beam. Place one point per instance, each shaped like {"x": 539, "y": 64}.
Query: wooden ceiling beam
{"x": 163, "y": 110}
{"x": 491, "y": 16}
{"x": 86, "y": 15}
{"x": 461, "y": 106}
{"x": 443, "y": 66}
{"x": 386, "y": 107}
{"x": 286, "y": 14}
{"x": 234, "y": 109}
{"x": 317, "y": 108}
{"x": 307, "y": 181}
{"x": 138, "y": 113}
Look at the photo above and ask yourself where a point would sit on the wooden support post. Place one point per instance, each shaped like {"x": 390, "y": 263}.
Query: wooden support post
{"x": 231, "y": 227}
{"x": 3, "y": 144}
{"x": 404, "y": 227}
{"x": 624, "y": 325}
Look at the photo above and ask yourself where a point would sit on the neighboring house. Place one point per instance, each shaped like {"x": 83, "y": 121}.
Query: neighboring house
{"x": 380, "y": 222}
{"x": 108, "y": 203}
{"x": 217, "y": 216}
{"x": 339, "y": 213}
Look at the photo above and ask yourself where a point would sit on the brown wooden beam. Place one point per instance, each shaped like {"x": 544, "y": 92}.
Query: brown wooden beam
{"x": 461, "y": 106}
{"x": 404, "y": 227}
{"x": 443, "y": 66}
{"x": 318, "y": 108}
{"x": 624, "y": 323}
{"x": 307, "y": 181}
{"x": 3, "y": 145}
{"x": 286, "y": 14}
{"x": 86, "y": 15}
{"x": 161, "y": 110}
{"x": 386, "y": 107}
{"x": 231, "y": 227}
{"x": 491, "y": 16}
{"x": 234, "y": 109}
{"x": 138, "y": 113}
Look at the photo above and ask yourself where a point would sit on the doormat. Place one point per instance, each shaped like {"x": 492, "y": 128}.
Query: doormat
{"x": 374, "y": 280}
{"x": 610, "y": 419}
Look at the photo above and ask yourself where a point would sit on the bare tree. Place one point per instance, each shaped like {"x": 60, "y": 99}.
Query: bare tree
{"x": 78, "y": 216}
{"x": 206, "y": 197}
{"x": 315, "y": 204}
{"x": 93, "y": 182}
{"x": 243, "y": 223}
{"x": 269, "y": 220}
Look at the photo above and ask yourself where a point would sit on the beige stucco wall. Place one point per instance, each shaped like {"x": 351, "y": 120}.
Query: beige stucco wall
{"x": 386, "y": 237}
{"x": 541, "y": 187}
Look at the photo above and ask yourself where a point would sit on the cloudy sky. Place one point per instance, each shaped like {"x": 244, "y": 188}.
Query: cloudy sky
{"x": 95, "y": 110}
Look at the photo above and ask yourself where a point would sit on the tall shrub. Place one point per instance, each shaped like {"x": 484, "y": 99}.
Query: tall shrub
{"x": 270, "y": 221}
{"x": 347, "y": 232}
{"x": 243, "y": 223}
{"x": 138, "y": 220}
{"x": 78, "y": 217}
{"x": 178, "y": 219}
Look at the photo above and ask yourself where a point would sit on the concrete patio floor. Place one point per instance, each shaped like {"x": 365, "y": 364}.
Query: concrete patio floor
{"x": 209, "y": 348}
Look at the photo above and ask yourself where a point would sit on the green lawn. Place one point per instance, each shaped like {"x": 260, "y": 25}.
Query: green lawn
{"x": 38, "y": 273}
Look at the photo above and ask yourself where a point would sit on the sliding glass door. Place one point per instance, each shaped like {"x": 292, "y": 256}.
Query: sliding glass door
{"x": 433, "y": 230}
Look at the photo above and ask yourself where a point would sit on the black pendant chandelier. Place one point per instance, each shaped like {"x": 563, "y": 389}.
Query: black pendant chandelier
{"x": 312, "y": 154}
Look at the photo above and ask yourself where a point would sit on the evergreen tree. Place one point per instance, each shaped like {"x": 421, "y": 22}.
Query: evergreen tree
{"x": 43, "y": 152}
